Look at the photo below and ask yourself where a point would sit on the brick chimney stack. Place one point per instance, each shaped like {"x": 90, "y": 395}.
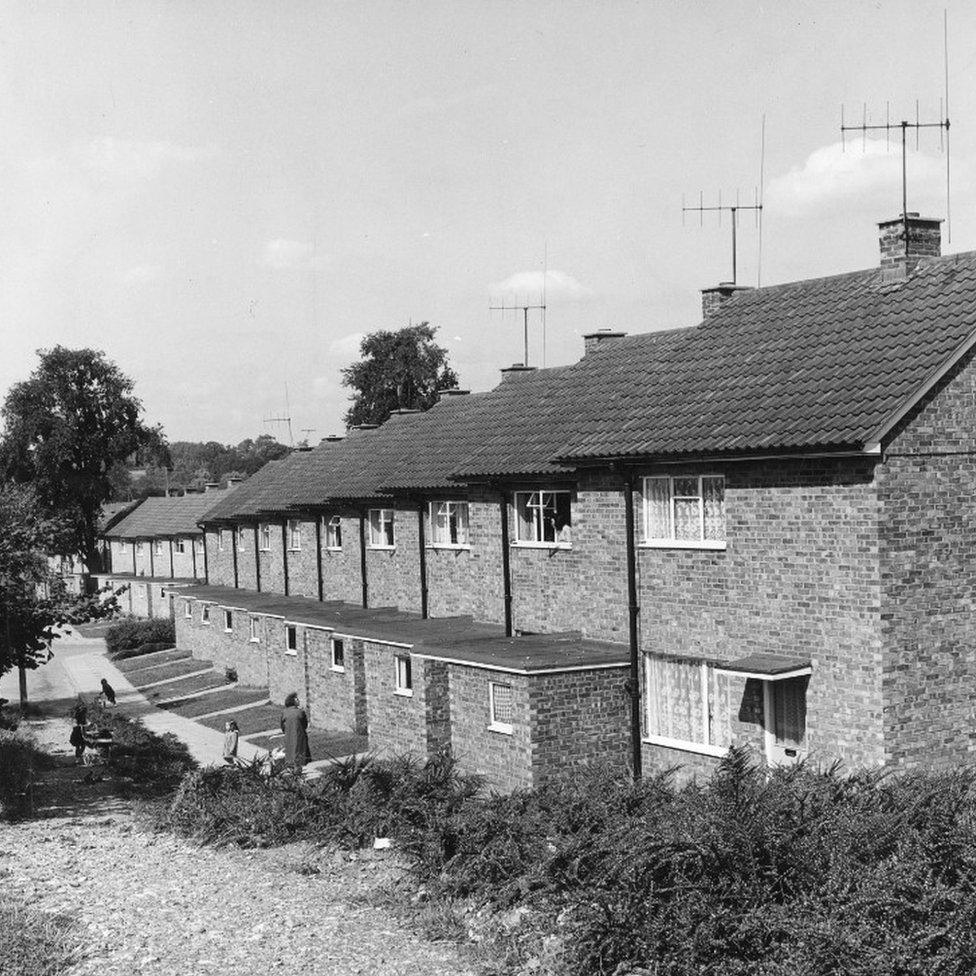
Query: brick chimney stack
{"x": 900, "y": 257}
{"x": 714, "y": 298}
{"x": 599, "y": 339}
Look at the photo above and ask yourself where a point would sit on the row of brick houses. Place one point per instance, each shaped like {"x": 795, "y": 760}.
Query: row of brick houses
{"x": 756, "y": 530}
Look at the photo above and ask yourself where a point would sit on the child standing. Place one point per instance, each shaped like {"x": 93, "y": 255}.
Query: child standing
{"x": 231, "y": 736}
{"x": 77, "y": 739}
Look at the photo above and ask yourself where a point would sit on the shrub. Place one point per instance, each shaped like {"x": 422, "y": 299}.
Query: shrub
{"x": 33, "y": 943}
{"x": 129, "y": 634}
{"x": 19, "y": 761}
{"x": 150, "y": 648}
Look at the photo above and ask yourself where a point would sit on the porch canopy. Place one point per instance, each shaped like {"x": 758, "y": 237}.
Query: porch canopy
{"x": 767, "y": 667}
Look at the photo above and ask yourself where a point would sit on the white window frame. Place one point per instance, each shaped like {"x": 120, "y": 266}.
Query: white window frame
{"x": 228, "y": 621}
{"x": 401, "y": 686}
{"x": 450, "y": 507}
{"x": 669, "y": 542}
{"x": 157, "y": 547}
{"x": 333, "y": 533}
{"x": 289, "y": 630}
{"x": 221, "y": 546}
{"x": 294, "y": 530}
{"x": 205, "y": 613}
{"x": 385, "y": 516}
{"x": 252, "y": 628}
{"x": 179, "y": 545}
{"x": 138, "y": 548}
{"x": 241, "y": 537}
{"x": 264, "y": 537}
{"x": 341, "y": 668}
{"x": 769, "y": 723}
{"x": 493, "y": 724}
{"x": 702, "y": 746}
{"x": 539, "y": 521}
{"x": 187, "y": 610}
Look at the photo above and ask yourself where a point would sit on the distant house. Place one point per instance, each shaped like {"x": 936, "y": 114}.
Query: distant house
{"x": 756, "y": 530}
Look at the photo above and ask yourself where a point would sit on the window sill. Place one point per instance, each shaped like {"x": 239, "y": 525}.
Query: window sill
{"x": 333, "y": 548}
{"x": 403, "y": 692}
{"x": 381, "y": 548}
{"x": 700, "y": 748}
{"x": 541, "y": 545}
{"x": 291, "y": 653}
{"x": 228, "y": 630}
{"x": 265, "y": 549}
{"x": 500, "y": 728}
{"x": 450, "y": 546}
{"x": 339, "y": 669}
{"x": 293, "y": 549}
{"x": 705, "y": 544}
{"x": 254, "y": 640}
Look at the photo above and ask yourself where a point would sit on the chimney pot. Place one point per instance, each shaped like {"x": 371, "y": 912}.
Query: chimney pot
{"x": 900, "y": 257}
{"x": 211, "y": 486}
{"x": 597, "y": 340}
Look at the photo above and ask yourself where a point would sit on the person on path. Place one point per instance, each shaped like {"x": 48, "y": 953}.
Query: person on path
{"x": 78, "y": 740}
{"x": 294, "y": 723}
{"x": 108, "y": 692}
{"x": 81, "y": 712}
{"x": 231, "y": 736}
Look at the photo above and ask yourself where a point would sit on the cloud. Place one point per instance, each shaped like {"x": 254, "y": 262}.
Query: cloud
{"x": 110, "y": 158}
{"x": 346, "y": 349}
{"x": 559, "y": 287}
{"x": 282, "y": 254}
{"x": 140, "y": 274}
{"x": 868, "y": 176}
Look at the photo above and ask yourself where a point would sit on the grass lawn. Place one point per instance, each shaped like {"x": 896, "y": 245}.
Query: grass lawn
{"x": 125, "y": 665}
{"x": 187, "y": 686}
{"x": 323, "y": 744}
{"x": 32, "y": 943}
{"x": 96, "y": 629}
{"x": 258, "y": 719}
{"x": 233, "y": 697}
{"x": 176, "y": 669}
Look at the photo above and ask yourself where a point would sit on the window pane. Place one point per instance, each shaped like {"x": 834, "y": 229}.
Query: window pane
{"x": 525, "y": 521}
{"x": 657, "y": 502}
{"x": 503, "y": 702}
{"x": 375, "y": 530}
{"x": 674, "y": 699}
{"x": 790, "y": 712}
{"x": 713, "y": 500}
{"x": 562, "y": 517}
{"x": 338, "y": 654}
{"x": 388, "y": 528}
{"x": 687, "y": 487}
{"x": 687, "y": 523}
{"x": 461, "y": 523}
{"x": 442, "y": 534}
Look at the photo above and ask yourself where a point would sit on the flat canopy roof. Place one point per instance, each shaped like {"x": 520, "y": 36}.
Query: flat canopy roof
{"x": 768, "y": 667}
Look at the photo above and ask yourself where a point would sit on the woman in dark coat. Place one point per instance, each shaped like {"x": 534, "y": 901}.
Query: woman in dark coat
{"x": 294, "y": 723}
{"x": 108, "y": 691}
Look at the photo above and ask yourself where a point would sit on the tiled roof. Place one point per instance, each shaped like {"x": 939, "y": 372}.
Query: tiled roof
{"x": 819, "y": 364}
{"x": 168, "y": 516}
{"x": 113, "y": 512}
{"x": 266, "y": 483}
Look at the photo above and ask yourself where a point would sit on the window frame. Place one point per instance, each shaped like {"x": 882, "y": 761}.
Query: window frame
{"x": 179, "y": 545}
{"x": 403, "y": 688}
{"x": 187, "y": 610}
{"x": 252, "y": 629}
{"x": 157, "y": 545}
{"x": 341, "y": 641}
{"x": 494, "y": 725}
{"x": 293, "y": 528}
{"x": 381, "y": 512}
{"x": 540, "y": 520}
{"x": 228, "y": 621}
{"x": 291, "y": 630}
{"x": 221, "y": 546}
{"x": 241, "y": 537}
{"x": 205, "y": 614}
{"x": 703, "y": 748}
{"x": 647, "y": 541}
{"x": 264, "y": 537}
{"x": 432, "y": 521}
{"x": 333, "y": 529}
{"x": 138, "y": 547}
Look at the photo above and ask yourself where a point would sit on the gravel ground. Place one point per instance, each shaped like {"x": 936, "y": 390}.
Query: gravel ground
{"x": 152, "y": 904}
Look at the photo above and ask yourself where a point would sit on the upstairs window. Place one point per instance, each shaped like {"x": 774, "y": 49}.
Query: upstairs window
{"x": 228, "y": 621}
{"x": 333, "y": 533}
{"x": 501, "y": 706}
{"x": 291, "y": 639}
{"x": 381, "y": 528}
{"x": 187, "y": 609}
{"x": 221, "y": 540}
{"x": 138, "y": 548}
{"x": 157, "y": 547}
{"x": 241, "y": 537}
{"x": 205, "y": 613}
{"x": 294, "y": 534}
{"x": 404, "y": 675}
{"x": 449, "y": 524}
{"x": 543, "y": 518}
{"x": 338, "y": 654}
{"x": 264, "y": 537}
{"x": 253, "y": 634}
{"x": 687, "y": 511}
{"x": 180, "y": 545}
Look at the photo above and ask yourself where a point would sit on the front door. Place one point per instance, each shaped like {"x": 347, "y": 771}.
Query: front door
{"x": 786, "y": 720}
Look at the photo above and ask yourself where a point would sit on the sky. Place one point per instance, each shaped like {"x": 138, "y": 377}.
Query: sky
{"x": 224, "y": 197}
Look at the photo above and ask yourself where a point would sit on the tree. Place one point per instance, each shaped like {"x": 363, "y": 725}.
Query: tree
{"x": 66, "y": 426}
{"x": 403, "y": 369}
{"x": 33, "y": 599}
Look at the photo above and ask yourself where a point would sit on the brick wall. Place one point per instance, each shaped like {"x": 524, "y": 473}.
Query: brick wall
{"x": 397, "y": 723}
{"x": 578, "y": 719}
{"x": 394, "y": 574}
{"x": 210, "y": 642}
{"x": 504, "y": 760}
{"x": 246, "y": 575}
{"x": 929, "y": 578}
{"x": 272, "y": 561}
{"x": 584, "y": 587}
{"x": 302, "y": 568}
{"x": 286, "y": 671}
{"x": 341, "y": 568}
{"x": 800, "y": 577}
{"x": 336, "y": 699}
{"x": 220, "y": 562}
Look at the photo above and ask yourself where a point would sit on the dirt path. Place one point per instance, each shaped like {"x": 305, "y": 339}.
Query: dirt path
{"x": 152, "y": 904}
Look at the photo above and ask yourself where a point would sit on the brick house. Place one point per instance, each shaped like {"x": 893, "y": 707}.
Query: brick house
{"x": 755, "y": 530}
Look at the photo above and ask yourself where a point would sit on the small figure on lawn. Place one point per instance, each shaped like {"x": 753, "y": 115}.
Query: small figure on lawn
{"x": 78, "y": 740}
{"x": 108, "y": 692}
{"x": 81, "y": 712}
{"x": 294, "y": 723}
{"x": 231, "y": 736}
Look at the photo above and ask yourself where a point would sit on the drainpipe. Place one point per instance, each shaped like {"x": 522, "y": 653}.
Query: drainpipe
{"x": 233, "y": 549}
{"x": 422, "y": 545}
{"x": 152, "y": 563}
{"x": 633, "y": 611}
{"x": 172, "y": 569}
{"x": 134, "y": 573}
{"x": 318, "y": 556}
{"x": 206, "y": 561}
{"x": 193, "y": 552}
{"x": 362, "y": 558}
{"x": 257, "y": 558}
{"x": 506, "y": 567}
{"x": 284, "y": 552}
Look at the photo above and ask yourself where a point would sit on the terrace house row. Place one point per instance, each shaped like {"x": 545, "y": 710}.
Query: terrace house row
{"x": 770, "y": 513}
